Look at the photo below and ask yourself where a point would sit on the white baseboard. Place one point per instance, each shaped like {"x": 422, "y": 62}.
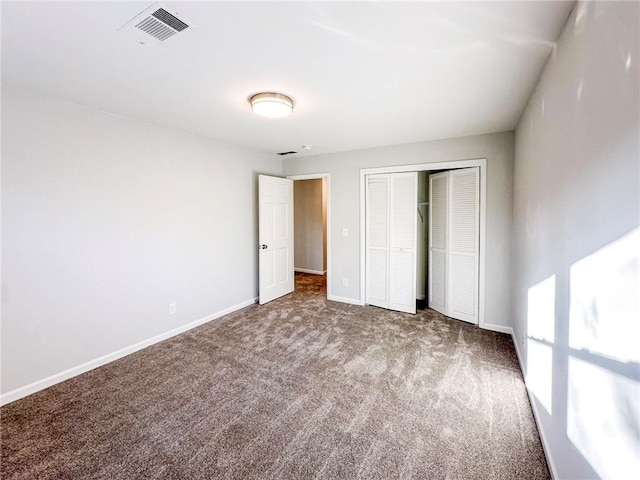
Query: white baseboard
{"x": 545, "y": 444}
{"x": 497, "y": 328}
{"x": 351, "y": 301}
{"x": 306, "y": 270}
{"x": 517, "y": 347}
{"x": 38, "y": 385}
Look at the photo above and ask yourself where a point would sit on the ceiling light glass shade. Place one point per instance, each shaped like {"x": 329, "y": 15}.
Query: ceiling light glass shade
{"x": 272, "y": 105}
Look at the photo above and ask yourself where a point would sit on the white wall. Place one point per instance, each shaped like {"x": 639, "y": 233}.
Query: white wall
{"x": 108, "y": 220}
{"x": 345, "y": 204}
{"x": 308, "y": 225}
{"x": 577, "y": 245}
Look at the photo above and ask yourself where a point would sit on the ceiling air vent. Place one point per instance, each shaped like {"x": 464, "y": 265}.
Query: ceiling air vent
{"x": 285, "y": 153}
{"x": 154, "y": 25}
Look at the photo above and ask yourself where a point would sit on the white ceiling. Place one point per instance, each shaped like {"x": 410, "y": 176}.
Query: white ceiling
{"x": 362, "y": 74}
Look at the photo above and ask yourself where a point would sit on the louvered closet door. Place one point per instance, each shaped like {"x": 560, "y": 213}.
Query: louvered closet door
{"x": 402, "y": 265}
{"x": 377, "y": 240}
{"x": 391, "y": 206}
{"x": 463, "y": 244}
{"x": 438, "y": 240}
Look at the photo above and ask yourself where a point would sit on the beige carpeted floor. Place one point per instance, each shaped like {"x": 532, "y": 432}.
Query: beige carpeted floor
{"x": 298, "y": 388}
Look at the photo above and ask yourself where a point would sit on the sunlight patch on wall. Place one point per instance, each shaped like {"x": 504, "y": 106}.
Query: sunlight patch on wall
{"x": 541, "y": 319}
{"x": 541, "y": 310}
{"x": 604, "y": 317}
{"x": 539, "y": 372}
{"x": 603, "y": 418}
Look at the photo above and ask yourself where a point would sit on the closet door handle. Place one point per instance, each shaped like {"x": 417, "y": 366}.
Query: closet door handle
{"x": 264, "y": 247}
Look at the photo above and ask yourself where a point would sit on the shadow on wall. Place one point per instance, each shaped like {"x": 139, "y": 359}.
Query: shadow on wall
{"x": 596, "y": 351}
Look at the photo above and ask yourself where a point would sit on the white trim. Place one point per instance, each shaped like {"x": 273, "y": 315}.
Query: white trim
{"x": 482, "y": 261}
{"x": 498, "y": 328}
{"x": 478, "y": 162}
{"x": 313, "y": 176}
{"x": 350, "y": 301}
{"x": 306, "y": 270}
{"x": 546, "y": 447}
{"x": 363, "y": 237}
{"x": 419, "y": 167}
{"x": 309, "y": 176}
{"x": 47, "y": 382}
{"x": 515, "y": 344}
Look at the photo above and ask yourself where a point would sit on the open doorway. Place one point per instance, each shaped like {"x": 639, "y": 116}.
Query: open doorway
{"x": 311, "y": 239}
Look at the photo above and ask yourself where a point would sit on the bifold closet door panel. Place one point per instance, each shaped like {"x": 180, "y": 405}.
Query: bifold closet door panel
{"x": 377, "y": 240}
{"x": 438, "y": 240}
{"x": 403, "y": 232}
{"x": 464, "y": 215}
{"x": 391, "y": 229}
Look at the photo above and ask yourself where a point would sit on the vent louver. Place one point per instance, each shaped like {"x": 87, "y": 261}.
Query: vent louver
{"x": 154, "y": 25}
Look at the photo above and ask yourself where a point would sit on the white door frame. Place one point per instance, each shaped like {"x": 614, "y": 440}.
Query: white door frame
{"x": 314, "y": 176}
{"x": 420, "y": 167}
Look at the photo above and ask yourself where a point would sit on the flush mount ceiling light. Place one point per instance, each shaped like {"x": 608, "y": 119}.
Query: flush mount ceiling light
{"x": 272, "y": 105}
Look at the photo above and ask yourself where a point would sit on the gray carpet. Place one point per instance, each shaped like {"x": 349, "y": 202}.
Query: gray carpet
{"x": 298, "y": 388}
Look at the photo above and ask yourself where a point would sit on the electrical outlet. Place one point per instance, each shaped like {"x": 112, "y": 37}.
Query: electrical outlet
{"x": 345, "y": 282}
{"x": 523, "y": 339}
{"x": 172, "y": 309}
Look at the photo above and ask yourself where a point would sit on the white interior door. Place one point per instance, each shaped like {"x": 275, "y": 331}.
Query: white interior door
{"x": 391, "y": 216}
{"x": 454, "y": 209}
{"x": 275, "y": 225}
